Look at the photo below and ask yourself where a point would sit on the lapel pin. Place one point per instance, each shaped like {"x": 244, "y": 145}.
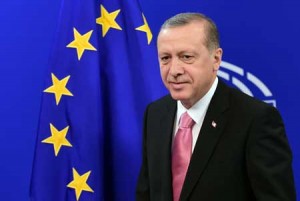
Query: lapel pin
{"x": 214, "y": 124}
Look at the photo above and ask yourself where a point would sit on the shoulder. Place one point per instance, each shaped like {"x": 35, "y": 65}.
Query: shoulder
{"x": 161, "y": 103}
{"x": 240, "y": 104}
{"x": 250, "y": 105}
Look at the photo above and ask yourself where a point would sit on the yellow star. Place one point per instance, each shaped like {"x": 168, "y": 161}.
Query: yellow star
{"x": 145, "y": 28}
{"x": 107, "y": 20}
{"x": 59, "y": 88}
{"x": 81, "y": 42}
{"x": 57, "y": 138}
{"x": 79, "y": 183}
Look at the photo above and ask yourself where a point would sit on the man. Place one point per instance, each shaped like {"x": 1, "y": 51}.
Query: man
{"x": 206, "y": 141}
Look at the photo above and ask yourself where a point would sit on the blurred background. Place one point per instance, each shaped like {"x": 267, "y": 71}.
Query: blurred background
{"x": 260, "y": 40}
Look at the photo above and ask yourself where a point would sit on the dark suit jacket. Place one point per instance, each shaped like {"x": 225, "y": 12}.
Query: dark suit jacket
{"x": 245, "y": 157}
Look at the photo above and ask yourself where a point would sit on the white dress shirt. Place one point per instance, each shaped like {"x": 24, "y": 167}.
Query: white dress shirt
{"x": 197, "y": 112}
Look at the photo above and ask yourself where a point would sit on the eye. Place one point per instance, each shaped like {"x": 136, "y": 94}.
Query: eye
{"x": 164, "y": 59}
{"x": 187, "y": 58}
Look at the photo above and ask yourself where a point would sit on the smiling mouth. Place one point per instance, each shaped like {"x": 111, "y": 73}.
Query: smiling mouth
{"x": 177, "y": 85}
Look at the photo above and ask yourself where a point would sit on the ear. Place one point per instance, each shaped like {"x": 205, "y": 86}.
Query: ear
{"x": 217, "y": 58}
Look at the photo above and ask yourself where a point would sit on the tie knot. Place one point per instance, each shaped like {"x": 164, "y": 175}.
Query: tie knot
{"x": 186, "y": 121}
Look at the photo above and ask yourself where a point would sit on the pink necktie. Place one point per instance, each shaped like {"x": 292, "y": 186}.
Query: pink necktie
{"x": 181, "y": 153}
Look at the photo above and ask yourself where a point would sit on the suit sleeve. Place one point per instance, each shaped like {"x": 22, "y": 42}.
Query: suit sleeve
{"x": 269, "y": 158}
{"x": 143, "y": 189}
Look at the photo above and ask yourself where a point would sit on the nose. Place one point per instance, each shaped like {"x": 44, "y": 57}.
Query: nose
{"x": 176, "y": 68}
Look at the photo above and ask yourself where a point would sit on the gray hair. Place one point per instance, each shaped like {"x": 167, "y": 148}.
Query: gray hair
{"x": 211, "y": 31}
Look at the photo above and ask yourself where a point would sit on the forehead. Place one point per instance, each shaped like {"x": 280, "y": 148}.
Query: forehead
{"x": 189, "y": 35}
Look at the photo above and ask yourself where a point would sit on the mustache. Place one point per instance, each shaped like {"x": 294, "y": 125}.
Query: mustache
{"x": 178, "y": 79}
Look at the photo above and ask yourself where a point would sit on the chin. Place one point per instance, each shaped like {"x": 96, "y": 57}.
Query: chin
{"x": 178, "y": 96}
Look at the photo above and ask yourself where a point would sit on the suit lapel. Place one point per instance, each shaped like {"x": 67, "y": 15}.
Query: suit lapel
{"x": 213, "y": 124}
{"x": 166, "y": 127}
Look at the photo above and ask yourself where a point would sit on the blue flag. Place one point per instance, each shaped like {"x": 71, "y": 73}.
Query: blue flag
{"x": 103, "y": 71}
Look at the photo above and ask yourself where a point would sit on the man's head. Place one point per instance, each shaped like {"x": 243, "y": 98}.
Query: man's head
{"x": 211, "y": 31}
{"x": 189, "y": 56}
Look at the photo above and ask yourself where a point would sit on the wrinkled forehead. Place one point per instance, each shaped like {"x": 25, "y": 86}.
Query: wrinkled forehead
{"x": 194, "y": 32}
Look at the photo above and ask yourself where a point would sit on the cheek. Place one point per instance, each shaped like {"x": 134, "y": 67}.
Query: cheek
{"x": 164, "y": 72}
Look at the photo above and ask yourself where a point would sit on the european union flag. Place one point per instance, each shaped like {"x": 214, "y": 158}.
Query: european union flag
{"x": 103, "y": 71}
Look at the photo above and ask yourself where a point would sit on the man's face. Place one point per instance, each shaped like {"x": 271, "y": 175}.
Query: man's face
{"x": 187, "y": 67}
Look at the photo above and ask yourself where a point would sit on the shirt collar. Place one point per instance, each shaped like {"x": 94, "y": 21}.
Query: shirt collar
{"x": 200, "y": 107}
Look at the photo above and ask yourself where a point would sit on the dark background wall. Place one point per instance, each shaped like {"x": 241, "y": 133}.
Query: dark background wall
{"x": 262, "y": 37}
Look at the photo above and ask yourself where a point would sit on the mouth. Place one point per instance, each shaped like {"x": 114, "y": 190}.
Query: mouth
{"x": 177, "y": 85}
